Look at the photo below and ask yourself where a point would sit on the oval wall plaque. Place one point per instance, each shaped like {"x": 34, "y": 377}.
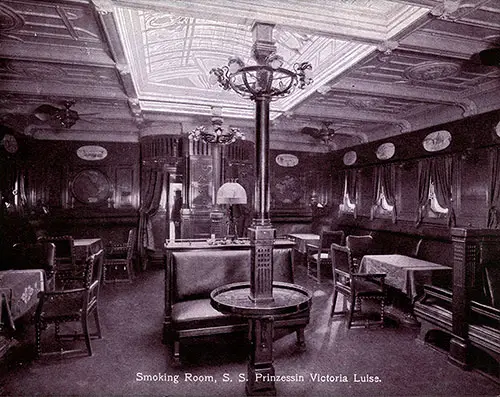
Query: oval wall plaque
{"x": 350, "y": 157}
{"x": 92, "y": 153}
{"x": 287, "y": 160}
{"x": 436, "y": 141}
{"x": 497, "y": 128}
{"x": 385, "y": 151}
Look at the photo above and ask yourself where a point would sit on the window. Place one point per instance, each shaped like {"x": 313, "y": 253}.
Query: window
{"x": 435, "y": 210}
{"x": 347, "y": 206}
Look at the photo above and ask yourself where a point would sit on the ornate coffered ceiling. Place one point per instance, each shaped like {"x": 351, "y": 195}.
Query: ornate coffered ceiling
{"x": 134, "y": 67}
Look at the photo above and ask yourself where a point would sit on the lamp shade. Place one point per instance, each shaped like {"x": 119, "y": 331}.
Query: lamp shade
{"x": 231, "y": 193}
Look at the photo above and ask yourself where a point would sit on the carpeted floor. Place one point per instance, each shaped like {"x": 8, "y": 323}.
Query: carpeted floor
{"x": 131, "y": 317}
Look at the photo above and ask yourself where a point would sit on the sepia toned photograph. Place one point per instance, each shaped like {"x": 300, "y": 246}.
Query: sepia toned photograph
{"x": 204, "y": 198}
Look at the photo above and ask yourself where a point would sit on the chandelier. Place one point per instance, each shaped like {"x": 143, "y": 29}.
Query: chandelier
{"x": 268, "y": 79}
{"x": 218, "y": 134}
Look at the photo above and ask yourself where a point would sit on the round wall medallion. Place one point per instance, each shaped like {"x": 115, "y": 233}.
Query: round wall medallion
{"x": 287, "y": 160}
{"x": 92, "y": 152}
{"x": 385, "y": 151}
{"x": 9, "y": 142}
{"x": 350, "y": 157}
{"x": 436, "y": 141}
{"x": 91, "y": 187}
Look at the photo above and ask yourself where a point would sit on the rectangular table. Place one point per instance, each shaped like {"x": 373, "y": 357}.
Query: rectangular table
{"x": 84, "y": 247}
{"x": 404, "y": 273}
{"x": 19, "y": 293}
{"x": 301, "y": 240}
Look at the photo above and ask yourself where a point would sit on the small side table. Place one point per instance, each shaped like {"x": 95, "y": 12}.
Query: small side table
{"x": 234, "y": 299}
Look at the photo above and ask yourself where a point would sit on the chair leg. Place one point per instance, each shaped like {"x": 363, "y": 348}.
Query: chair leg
{"x": 97, "y": 323}
{"x": 382, "y": 310}
{"x": 177, "y": 352}
{"x": 351, "y": 311}
{"x": 334, "y": 301}
{"x": 38, "y": 339}
{"x": 86, "y": 334}
{"x": 130, "y": 271}
{"x": 301, "y": 340}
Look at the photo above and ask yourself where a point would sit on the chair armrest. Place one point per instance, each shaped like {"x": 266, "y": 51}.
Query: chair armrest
{"x": 485, "y": 310}
{"x": 63, "y": 292}
{"x": 436, "y": 292}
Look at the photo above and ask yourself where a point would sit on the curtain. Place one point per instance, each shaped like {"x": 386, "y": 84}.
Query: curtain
{"x": 494, "y": 189}
{"x": 351, "y": 188}
{"x": 424, "y": 178}
{"x": 150, "y": 200}
{"x": 384, "y": 180}
{"x": 442, "y": 174}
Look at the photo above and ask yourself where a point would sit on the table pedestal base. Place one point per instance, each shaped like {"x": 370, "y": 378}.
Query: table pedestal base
{"x": 260, "y": 380}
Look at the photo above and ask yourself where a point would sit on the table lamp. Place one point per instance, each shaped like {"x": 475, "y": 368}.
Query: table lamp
{"x": 231, "y": 193}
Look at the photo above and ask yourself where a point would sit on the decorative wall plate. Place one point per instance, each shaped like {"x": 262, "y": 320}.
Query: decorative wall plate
{"x": 91, "y": 187}
{"x": 92, "y": 152}
{"x": 497, "y": 129}
{"x": 287, "y": 160}
{"x": 436, "y": 141}
{"x": 350, "y": 157}
{"x": 385, "y": 151}
{"x": 9, "y": 142}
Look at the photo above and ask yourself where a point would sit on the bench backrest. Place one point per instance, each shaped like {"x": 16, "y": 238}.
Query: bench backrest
{"x": 194, "y": 274}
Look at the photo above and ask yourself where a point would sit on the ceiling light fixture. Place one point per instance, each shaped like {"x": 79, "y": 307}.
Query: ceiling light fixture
{"x": 267, "y": 79}
{"x": 218, "y": 134}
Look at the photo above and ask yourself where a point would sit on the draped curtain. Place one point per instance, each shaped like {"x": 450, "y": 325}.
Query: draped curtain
{"x": 351, "y": 188}
{"x": 494, "y": 189}
{"x": 424, "y": 179}
{"x": 439, "y": 170}
{"x": 385, "y": 180}
{"x": 442, "y": 174}
{"x": 150, "y": 201}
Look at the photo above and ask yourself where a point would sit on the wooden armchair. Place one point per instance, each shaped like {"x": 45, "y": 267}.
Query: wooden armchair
{"x": 319, "y": 254}
{"x": 40, "y": 255}
{"x": 71, "y": 305}
{"x": 65, "y": 260}
{"x": 118, "y": 264}
{"x": 355, "y": 286}
{"x": 359, "y": 247}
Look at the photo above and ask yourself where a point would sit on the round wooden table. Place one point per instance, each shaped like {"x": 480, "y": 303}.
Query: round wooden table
{"x": 234, "y": 299}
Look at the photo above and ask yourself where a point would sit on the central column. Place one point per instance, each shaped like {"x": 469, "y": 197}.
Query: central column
{"x": 260, "y": 364}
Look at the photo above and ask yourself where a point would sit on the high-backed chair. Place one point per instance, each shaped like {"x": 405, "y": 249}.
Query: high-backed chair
{"x": 64, "y": 258}
{"x": 354, "y": 286}
{"x": 118, "y": 263}
{"x": 71, "y": 305}
{"x": 319, "y": 254}
{"x": 359, "y": 247}
{"x": 40, "y": 255}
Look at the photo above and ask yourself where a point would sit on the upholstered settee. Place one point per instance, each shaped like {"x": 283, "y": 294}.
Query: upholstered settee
{"x": 192, "y": 275}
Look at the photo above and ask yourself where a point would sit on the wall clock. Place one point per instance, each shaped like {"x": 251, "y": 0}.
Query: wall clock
{"x": 91, "y": 187}
{"x": 437, "y": 140}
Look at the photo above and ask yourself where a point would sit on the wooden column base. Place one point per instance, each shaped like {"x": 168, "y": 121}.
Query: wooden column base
{"x": 260, "y": 380}
{"x": 459, "y": 353}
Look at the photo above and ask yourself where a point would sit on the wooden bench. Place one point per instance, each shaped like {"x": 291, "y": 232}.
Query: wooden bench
{"x": 191, "y": 276}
